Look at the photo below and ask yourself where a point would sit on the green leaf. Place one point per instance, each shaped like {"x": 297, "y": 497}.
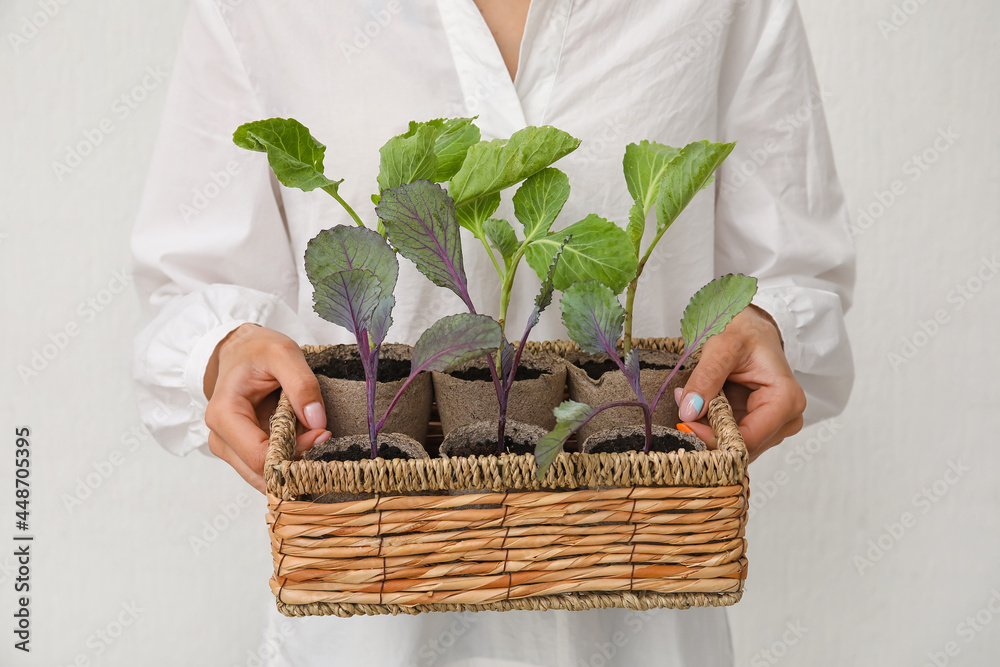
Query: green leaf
{"x": 454, "y": 340}
{"x": 539, "y": 200}
{"x": 347, "y": 247}
{"x": 713, "y": 307}
{"x": 474, "y": 214}
{"x": 408, "y": 157}
{"x": 598, "y": 250}
{"x": 422, "y": 225}
{"x": 452, "y": 144}
{"x": 294, "y": 155}
{"x": 432, "y": 150}
{"x": 492, "y": 166}
{"x": 689, "y": 173}
{"x": 348, "y": 298}
{"x": 636, "y": 226}
{"x": 570, "y": 416}
{"x": 502, "y": 237}
{"x": 593, "y": 317}
{"x": 544, "y": 297}
{"x": 644, "y": 165}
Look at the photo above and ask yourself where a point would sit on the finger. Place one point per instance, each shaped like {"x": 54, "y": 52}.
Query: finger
{"x": 704, "y": 433}
{"x": 290, "y": 369}
{"x": 310, "y": 439}
{"x": 233, "y": 419}
{"x": 720, "y": 356}
{"x": 786, "y": 431}
{"x": 226, "y": 453}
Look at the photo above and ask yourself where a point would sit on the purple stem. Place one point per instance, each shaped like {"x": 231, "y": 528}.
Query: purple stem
{"x": 369, "y": 361}
{"x": 680, "y": 362}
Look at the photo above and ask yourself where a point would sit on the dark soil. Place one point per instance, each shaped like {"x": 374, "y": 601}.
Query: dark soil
{"x": 636, "y": 442}
{"x": 595, "y": 369}
{"x": 489, "y": 448}
{"x": 389, "y": 370}
{"x": 476, "y": 374}
{"x": 358, "y": 453}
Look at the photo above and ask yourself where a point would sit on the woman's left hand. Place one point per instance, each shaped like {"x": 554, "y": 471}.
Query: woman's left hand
{"x": 748, "y": 360}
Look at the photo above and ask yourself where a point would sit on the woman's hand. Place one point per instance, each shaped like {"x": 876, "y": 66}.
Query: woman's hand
{"x": 748, "y": 360}
{"x": 242, "y": 380}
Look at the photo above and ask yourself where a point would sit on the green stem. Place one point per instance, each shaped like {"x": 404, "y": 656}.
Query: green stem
{"x": 330, "y": 190}
{"x": 508, "y": 285}
{"x": 629, "y": 304}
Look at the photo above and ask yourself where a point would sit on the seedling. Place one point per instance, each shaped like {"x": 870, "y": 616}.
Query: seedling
{"x": 668, "y": 179}
{"x": 594, "y": 318}
{"x": 353, "y": 272}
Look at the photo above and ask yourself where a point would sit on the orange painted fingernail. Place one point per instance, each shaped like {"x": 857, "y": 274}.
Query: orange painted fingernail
{"x": 685, "y": 428}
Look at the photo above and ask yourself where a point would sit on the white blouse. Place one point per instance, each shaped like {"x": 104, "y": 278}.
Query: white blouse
{"x": 218, "y": 243}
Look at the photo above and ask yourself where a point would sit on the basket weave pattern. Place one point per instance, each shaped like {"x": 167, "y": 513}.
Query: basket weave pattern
{"x": 601, "y": 530}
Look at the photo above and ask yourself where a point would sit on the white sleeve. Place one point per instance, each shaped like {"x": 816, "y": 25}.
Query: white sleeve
{"x": 780, "y": 210}
{"x": 210, "y": 247}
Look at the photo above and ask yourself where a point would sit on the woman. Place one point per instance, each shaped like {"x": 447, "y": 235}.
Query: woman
{"x": 222, "y": 265}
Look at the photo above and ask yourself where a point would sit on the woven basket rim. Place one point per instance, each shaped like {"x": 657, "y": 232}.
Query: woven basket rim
{"x": 725, "y": 466}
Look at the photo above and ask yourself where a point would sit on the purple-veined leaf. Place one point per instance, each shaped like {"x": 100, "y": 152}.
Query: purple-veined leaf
{"x": 570, "y": 416}
{"x": 347, "y": 247}
{"x": 454, "y": 340}
{"x": 508, "y": 355}
{"x": 348, "y": 298}
{"x": 631, "y": 370}
{"x": 593, "y": 317}
{"x": 421, "y": 222}
{"x": 381, "y": 320}
{"x": 714, "y": 306}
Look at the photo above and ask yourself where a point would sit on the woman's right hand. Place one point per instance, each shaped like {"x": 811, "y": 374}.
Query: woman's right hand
{"x": 242, "y": 380}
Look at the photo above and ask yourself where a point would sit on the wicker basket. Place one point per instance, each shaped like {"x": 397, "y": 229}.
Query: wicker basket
{"x": 602, "y": 530}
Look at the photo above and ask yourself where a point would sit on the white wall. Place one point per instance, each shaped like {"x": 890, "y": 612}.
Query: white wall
{"x": 127, "y": 543}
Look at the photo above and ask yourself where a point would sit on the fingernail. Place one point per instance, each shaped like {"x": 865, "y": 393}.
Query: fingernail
{"x": 315, "y": 415}
{"x": 322, "y": 437}
{"x": 678, "y": 395}
{"x": 691, "y": 407}
{"x": 685, "y": 428}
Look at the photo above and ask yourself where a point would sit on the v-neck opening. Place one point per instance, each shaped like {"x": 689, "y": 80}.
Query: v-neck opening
{"x": 483, "y": 74}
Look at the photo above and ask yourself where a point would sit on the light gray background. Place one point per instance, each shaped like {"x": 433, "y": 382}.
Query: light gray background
{"x": 834, "y": 581}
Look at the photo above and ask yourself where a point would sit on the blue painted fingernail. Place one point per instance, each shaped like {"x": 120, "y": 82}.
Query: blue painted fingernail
{"x": 691, "y": 407}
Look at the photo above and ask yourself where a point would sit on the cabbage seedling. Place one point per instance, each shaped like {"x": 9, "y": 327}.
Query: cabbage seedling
{"x": 594, "y": 318}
